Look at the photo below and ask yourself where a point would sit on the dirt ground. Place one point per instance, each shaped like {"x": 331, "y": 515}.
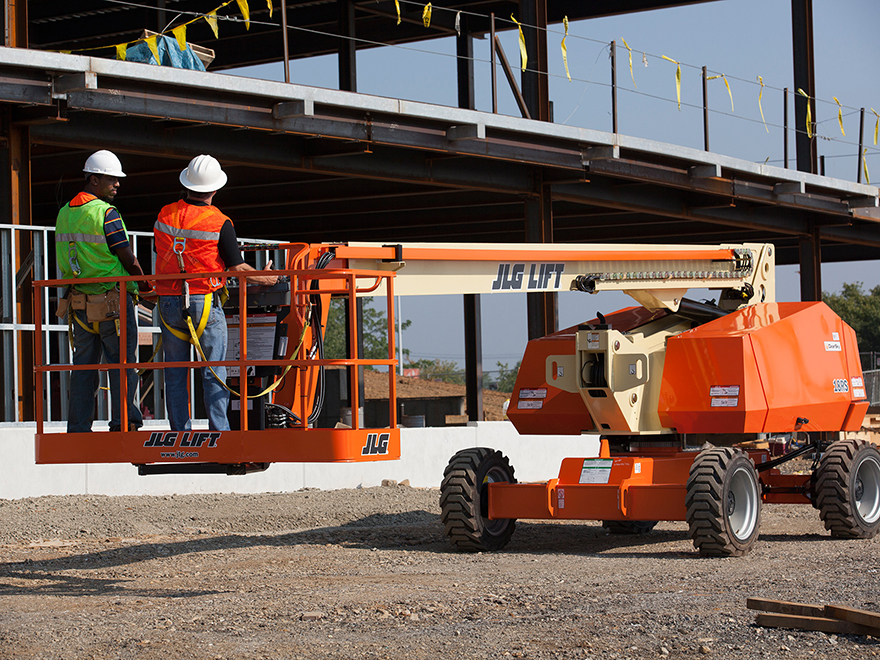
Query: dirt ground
{"x": 368, "y": 573}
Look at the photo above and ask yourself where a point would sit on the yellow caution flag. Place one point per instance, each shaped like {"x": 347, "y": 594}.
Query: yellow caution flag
{"x": 426, "y": 15}
{"x": 154, "y": 48}
{"x": 564, "y": 48}
{"x": 269, "y": 2}
{"x": 245, "y": 12}
{"x": 865, "y": 166}
{"x": 122, "y": 48}
{"x": 760, "y": 93}
{"x": 211, "y": 19}
{"x": 876, "y": 125}
{"x": 809, "y": 113}
{"x": 458, "y": 23}
{"x": 729, "y": 93}
{"x": 397, "y": 6}
{"x": 631, "y": 75}
{"x": 180, "y": 34}
{"x": 677, "y": 79}
{"x": 523, "y": 55}
{"x": 839, "y": 114}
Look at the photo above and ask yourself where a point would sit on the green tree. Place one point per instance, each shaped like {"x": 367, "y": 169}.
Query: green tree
{"x": 506, "y": 376}
{"x": 860, "y": 310}
{"x": 444, "y": 370}
{"x": 375, "y": 332}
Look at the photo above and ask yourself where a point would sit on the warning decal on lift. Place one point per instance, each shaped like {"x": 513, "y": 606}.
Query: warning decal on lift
{"x": 725, "y": 402}
{"x": 537, "y": 393}
{"x": 530, "y": 404}
{"x": 596, "y": 471}
{"x": 724, "y": 390}
{"x": 857, "y": 382}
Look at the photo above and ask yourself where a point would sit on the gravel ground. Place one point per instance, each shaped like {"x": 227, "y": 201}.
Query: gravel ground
{"x": 368, "y": 574}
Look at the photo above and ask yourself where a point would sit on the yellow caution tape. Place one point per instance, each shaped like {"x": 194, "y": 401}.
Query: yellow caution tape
{"x": 426, "y": 15}
{"x": 523, "y": 55}
{"x": 564, "y": 48}
{"x": 729, "y": 93}
{"x": 865, "y": 165}
{"x": 245, "y": 12}
{"x": 760, "y": 93}
{"x": 677, "y": 79}
{"x": 120, "y": 51}
{"x": 809, "y": 113}
{"x": 154, "y": 48}
{"x": 269, "y": 2}
{"x": 180, "y": 34}
{"x": 397, "y": 6}
{"x": 839, "y": 114}
{"x": 876, "y": 125}
{"x": 631, "y": 75}
{"x": 211, "y": 19}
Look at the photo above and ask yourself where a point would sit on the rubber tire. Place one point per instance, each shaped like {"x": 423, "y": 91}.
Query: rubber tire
{"x": 718, "y": 478}
{"x": 629, "y": 526}
{"x": 464, "y": 500}
{"x": 848, "y": 489}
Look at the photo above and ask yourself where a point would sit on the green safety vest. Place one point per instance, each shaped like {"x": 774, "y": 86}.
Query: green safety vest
{"x": 81, "y": 247}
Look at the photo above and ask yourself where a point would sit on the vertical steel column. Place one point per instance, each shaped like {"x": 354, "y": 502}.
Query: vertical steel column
{"x": 705, "y": 111}
{"x": 534, "y": 79}
{"x": 785, "y": 126}
{"x": 347, "y": 47}
{"x": 805, "y": 79}
{"x": 811, "y": 266}
{"x": 493, "y": 64}
{"x": 473, "y": 334}
{"x": 542, "y": 308}
{"x": 614, "y": 87}
{"x": 284, "y": 41}
{"x": 861, "y": 145}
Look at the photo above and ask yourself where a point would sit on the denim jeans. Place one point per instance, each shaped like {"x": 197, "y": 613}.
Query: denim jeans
{"x": 88, "y": 348}
{"x": 213, "y": 341}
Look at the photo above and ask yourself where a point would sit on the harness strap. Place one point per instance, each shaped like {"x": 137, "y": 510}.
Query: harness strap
{"x": 203, "y": 321}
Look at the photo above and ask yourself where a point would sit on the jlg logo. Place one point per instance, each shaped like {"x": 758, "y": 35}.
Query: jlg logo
{"x": 377, "y": 443}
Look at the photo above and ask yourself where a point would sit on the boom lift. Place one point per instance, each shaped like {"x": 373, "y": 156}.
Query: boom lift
{"x": 671, "y": 387}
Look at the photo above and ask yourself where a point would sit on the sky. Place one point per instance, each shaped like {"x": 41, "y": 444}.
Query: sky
{"x": 741, "y": 39}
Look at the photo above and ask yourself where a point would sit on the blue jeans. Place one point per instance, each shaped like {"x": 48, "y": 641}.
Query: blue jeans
{"x": 213, "y": 341}
{"x": 88, "y": 348}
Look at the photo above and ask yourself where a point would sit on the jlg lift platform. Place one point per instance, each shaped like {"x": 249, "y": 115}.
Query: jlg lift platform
{"x": 673, "y": 388}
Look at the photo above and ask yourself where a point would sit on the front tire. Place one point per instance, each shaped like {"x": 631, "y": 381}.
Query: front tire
{"x": 848, "y": 489}
{"x": 464, "y": 500}
{"x": 723, "y": 503}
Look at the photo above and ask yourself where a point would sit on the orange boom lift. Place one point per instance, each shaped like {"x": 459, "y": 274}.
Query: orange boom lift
{"x": 675, "y": 389}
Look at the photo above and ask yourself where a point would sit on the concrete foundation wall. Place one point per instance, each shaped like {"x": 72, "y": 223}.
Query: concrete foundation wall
{"x": 424, "y": 455}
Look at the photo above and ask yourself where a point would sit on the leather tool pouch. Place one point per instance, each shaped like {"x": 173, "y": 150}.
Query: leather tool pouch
{"x": 63, "y": 305}
{"x": 102, "y": 306}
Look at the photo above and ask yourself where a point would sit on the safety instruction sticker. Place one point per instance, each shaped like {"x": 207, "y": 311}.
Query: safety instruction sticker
{"x": 260, "y": 339}
{"x": 592, "y": 340}
{"x": 724, "y": 390}
{"x": 537, "y": 393}
{"x": 857, "y": 382}
{"x": 596, "y": 471}
{"x": 725, "y": 401}
{"x": 529, "y": 404}
{"x": 859, "y": 393}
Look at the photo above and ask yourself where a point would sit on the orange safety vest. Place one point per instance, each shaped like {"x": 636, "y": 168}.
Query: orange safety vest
{"x": 192, "y": 232}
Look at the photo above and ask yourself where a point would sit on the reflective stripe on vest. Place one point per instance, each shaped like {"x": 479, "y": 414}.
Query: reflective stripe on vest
{"x": 195, "y": 232}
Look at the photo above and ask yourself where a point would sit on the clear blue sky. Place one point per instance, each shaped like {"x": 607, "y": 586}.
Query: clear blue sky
{"x": 742, "y": 39}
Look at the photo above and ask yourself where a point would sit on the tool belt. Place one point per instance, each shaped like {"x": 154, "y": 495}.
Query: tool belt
{"x": 98, "y": 306}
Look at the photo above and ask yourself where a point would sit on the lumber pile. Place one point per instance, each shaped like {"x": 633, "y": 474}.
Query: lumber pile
{"x": 835, "y": 619}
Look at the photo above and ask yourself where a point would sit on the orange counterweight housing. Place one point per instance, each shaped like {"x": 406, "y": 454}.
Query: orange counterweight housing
{"x": 767, "y": 368}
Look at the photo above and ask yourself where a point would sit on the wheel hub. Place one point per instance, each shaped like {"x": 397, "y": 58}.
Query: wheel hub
{"x": 860, "y": 490}
{"x": 731, "y": 503}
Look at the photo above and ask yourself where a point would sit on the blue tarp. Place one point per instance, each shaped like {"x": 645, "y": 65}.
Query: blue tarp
{"x": 169, "y": 52}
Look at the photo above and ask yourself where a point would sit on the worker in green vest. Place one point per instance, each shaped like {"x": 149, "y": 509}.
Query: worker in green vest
{"x": 91, "y": 241}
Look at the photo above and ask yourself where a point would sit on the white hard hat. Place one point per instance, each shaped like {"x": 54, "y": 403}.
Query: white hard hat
{"x": 104, "y": 162}
{"x": 203, "y": 175}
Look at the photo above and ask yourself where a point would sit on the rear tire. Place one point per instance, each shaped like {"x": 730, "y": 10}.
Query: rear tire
{"x": 464, "y": 500}
{"x": 723, "y": 503}
{"x": 629, "y": 526}
{"x": 848, "y": 489}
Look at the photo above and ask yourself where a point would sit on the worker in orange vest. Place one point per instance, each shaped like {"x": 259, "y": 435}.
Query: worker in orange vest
{"x": 193, "y": 236}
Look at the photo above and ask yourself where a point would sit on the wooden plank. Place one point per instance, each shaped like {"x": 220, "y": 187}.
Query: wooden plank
{"x": 784, "y": 607}
{"x": 851, "y": 614}
{"x": 836, "y": 626}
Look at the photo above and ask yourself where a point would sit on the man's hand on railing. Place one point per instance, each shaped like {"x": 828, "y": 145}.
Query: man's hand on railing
{"x": 265, "y": 280}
